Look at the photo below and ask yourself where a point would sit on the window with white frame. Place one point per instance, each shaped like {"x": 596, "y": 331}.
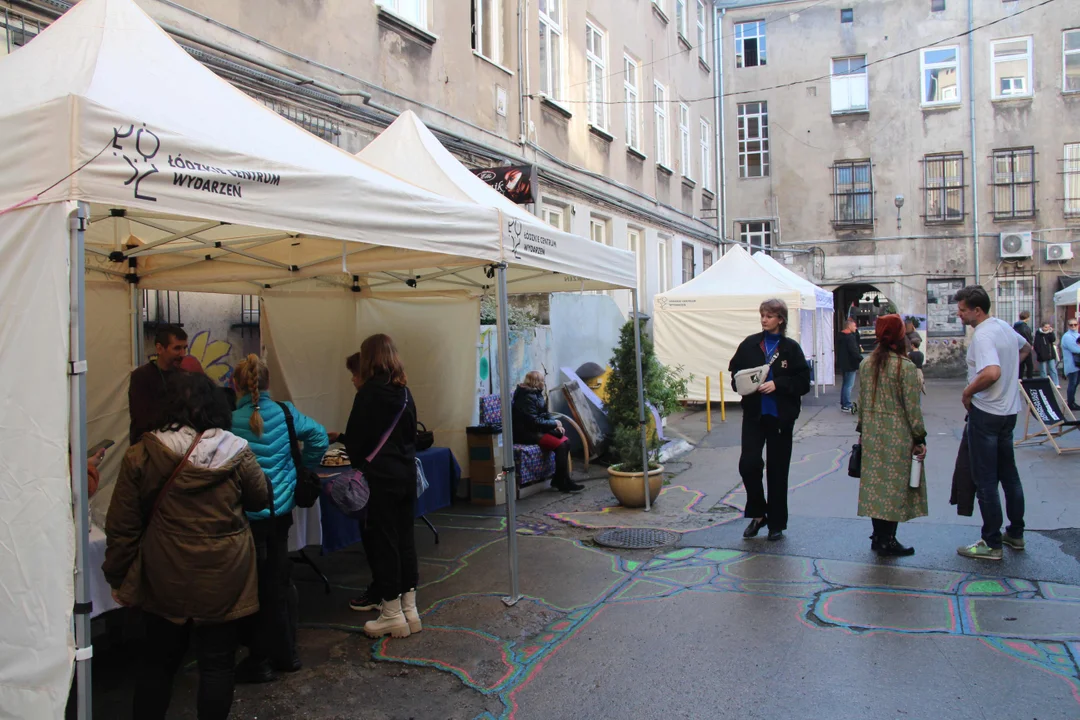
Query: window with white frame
{"x": 551, "y": 48}
{"x": 853, "y": 193}
{"x": 636, "y": 244}
{"x": 750, "y": 44}
{"x": 848, "y": 84}
{"x": 1014, "y": 183}
{"x": 706, "y": 259}
{"x": 488, "y": 29}
{"x": 556, "y": 216}
{"x": 753, "y": 130}
{"x": 684, "y": 142}
{"x": 944, "y": 187}
{"x": 941, "y": 76}
{"x": 1070, "y": 60}
{"x": 1012, "y": 69}
{"x": 687, "y": 262}
{"x": 1071, "y": 172}
{"x": 702, "y": 32}
{"x": 756, "y": 236}
{"x": 663, "y": 265}
{"x": 681, "y": 19}
{"x": 706, "y": 154}
{"x": 415, "y": 11}
{"x": 631, "y": 96}
{"x": 1012, "y": 295}
{"x": 596, "y": 81}
{"x": 660, "y": 120}
{"x": 600, "y": 230}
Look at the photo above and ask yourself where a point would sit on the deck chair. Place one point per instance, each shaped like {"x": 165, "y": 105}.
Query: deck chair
{"x": 1050, "y": 411}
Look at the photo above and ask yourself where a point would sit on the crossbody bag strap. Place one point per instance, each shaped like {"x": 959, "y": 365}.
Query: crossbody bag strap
{"x": 294, "y": 441}
{"x": 386, "y": 435}
{"x": 168, "y": 483}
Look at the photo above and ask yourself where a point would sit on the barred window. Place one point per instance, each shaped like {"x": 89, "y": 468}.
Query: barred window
{"x": 687, "y": 262}
{"x": 16, "y": 30}
{"x": 944, "y": 187}
{"x": 853, "y": 193}
{"x": 1014, "y": 183}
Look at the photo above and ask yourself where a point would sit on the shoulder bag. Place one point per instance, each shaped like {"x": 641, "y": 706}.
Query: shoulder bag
{"x": 308, "y": 485}
{"x": 131, "y": 590}
{"x": 749, "y": 380}
{"x": 424, "y": 437}
{"x": 349, "y": 491}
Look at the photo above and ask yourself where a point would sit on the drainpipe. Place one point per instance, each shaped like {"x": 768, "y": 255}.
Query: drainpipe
{"x": 522, "y": 26}
{"x": 721, "y": 128}
{"x": 974, "y": 157}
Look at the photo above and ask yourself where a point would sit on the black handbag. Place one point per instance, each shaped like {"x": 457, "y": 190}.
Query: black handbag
{"x": 308, "y": 485}
{"x": 854, "y": 465}
{"x": 424, "y": 437}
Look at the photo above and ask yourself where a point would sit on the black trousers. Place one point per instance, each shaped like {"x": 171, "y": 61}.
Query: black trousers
{"x": 271, "y": 633}
{"x": 164, "y": 650}
{"x": 390, "y": 542}
{"x": 774, "y": 437}
{"x": 1027, "y": 368}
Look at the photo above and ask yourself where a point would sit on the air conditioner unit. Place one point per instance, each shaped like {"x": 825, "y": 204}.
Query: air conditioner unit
{"x": 1015, "y": 245}
{"x": 1059, "y": 252}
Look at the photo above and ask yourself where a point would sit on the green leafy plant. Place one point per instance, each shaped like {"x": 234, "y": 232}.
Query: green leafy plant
{"x": 664, "y": 387}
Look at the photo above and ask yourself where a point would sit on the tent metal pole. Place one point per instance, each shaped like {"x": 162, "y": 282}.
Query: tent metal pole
{"x": 136, "y": 325}
{"x": 507, "y": 436}
{"x": 817, "y": 352}
{"x": 641, "y": 400}
{"x": 80, "y": 496}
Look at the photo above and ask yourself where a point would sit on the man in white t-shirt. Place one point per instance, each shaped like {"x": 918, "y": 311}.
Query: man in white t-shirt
{"x": 992, "y": 398}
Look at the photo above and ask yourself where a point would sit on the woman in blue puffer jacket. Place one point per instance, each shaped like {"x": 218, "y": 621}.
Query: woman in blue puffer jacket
{"x": 261, "y": 421}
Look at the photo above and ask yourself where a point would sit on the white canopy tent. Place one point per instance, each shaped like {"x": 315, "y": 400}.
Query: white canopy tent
{"x": 119, "y": 145}
{"x": 1068, "y": 295}
{"x": 815, "y": 319}
{"x": 699, "y": 324}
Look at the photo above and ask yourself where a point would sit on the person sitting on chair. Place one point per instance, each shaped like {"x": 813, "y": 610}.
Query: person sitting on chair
{"x": 534, "y": 425}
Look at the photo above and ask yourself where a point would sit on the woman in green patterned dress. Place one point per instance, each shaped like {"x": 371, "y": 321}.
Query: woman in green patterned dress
{"x": 891, "y": 423}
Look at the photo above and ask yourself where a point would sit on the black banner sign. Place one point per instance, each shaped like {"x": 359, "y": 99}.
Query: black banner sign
{"x": 517, "y": 182}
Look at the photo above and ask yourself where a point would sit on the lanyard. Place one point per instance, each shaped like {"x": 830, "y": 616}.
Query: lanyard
{"x": 770, "y": 350}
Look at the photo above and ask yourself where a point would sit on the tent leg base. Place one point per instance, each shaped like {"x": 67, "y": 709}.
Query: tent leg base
{"x": 509, "y": 601}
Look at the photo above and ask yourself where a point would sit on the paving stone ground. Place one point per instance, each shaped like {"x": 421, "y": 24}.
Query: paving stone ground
{"x": 814, "y": 626}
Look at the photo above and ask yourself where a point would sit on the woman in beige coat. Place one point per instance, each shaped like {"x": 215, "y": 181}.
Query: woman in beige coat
{"x": 893, "y": 431}
{"x": 182, "y": 551}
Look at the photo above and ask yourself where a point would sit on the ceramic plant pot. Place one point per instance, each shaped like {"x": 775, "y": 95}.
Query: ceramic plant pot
{"x": 629, "y": 487}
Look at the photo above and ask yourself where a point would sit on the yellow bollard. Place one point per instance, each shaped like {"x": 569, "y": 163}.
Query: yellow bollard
{"x": 708, "y": 406}
{"x": 723, "y": 413}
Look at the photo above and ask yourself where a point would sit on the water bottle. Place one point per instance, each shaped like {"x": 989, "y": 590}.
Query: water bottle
{"x": 916, "y": 472}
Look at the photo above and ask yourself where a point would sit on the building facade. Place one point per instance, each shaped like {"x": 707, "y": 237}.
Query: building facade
{"x": 613, "y": 101}
{"x": 899, "y": 149}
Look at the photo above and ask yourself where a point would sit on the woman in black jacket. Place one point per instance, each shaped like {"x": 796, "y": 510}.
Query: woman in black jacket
{"x": 381, "y": 395}
{"x": 534, "y": 425}
{"x": 769, "y": 417}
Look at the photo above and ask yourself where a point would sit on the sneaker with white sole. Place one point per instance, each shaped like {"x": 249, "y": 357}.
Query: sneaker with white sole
{"x": 980, "y": 551}
{"x": 1013, "y": 542}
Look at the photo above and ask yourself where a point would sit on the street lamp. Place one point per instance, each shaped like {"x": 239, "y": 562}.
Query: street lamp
{"x": 899, "y": 201}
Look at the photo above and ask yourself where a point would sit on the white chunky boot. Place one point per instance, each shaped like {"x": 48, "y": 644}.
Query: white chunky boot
{"x": 391, "y": 621}
{"x": 408, "y": 607}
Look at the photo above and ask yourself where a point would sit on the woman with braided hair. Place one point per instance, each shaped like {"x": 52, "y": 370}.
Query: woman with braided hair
{"x": 262, "y": 422}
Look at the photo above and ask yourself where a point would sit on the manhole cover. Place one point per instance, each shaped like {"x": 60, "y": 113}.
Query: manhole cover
{"x": 635, "y": 538}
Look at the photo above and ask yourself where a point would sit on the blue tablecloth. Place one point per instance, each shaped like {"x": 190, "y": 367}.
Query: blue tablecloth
{"x": 442, "y": 472}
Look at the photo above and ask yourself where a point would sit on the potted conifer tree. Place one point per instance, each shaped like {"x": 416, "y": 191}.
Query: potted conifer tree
{"x": 664, "y": 388}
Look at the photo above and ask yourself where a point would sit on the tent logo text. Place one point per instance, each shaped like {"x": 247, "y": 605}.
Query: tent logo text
{"x": 143, "y": 151}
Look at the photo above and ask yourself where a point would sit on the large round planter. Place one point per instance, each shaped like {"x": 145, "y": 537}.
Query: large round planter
{"x": 629, "y": 488}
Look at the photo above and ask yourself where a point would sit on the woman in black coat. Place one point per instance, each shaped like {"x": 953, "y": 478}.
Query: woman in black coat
{"x": 534, "y": 425}
{"x": 769, "y": 417}
{"x": 381, "y": 395}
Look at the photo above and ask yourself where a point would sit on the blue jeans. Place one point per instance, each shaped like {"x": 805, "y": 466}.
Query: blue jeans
{"x": 990, "y": 447}
{"x": 846, "y": 388}
{"x": 1048, "y": 368}
{"x": 1070, "y": 393}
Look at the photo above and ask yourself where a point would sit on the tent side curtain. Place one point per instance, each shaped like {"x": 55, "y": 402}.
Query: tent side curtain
{"x": 36, "y": 527}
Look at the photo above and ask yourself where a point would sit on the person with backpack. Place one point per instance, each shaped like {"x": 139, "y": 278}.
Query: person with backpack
{"x": 262, "y": 422}
{"x": 1070, "y": 352}
{"x": 1046, "y": 352}
{"x": 848, "y": 357}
